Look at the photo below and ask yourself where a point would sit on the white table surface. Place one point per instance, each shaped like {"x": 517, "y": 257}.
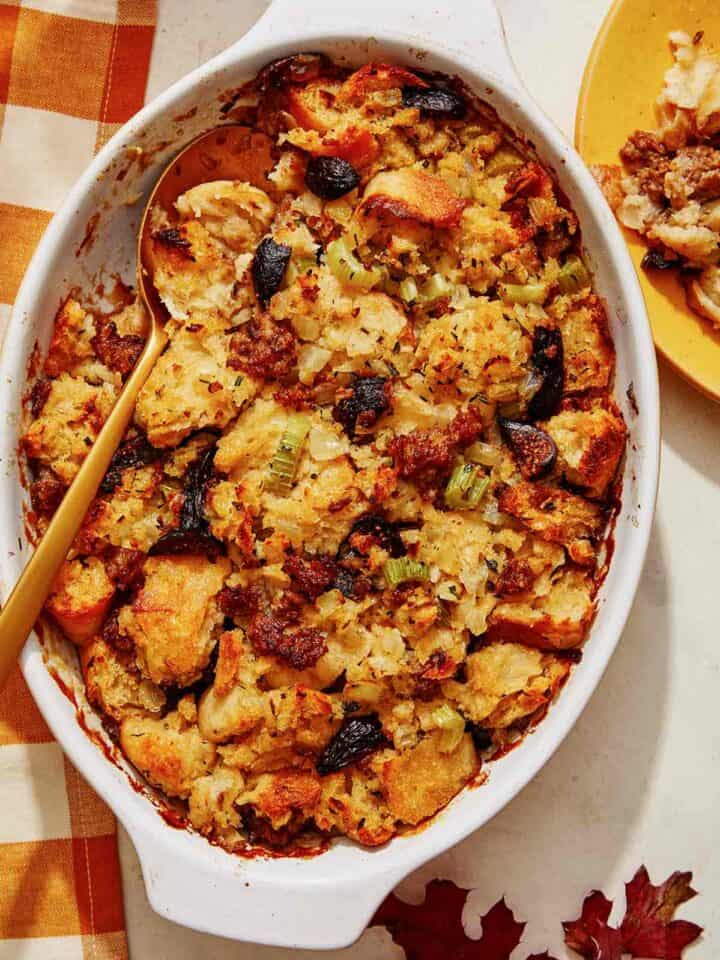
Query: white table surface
{"x": 638, "y": 779}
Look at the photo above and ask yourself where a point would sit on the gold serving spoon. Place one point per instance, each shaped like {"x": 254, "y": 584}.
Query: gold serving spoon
{"x": 230, "y": 152}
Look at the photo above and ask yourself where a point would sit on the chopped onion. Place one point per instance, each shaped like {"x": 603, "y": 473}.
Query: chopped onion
{"x": 452, "y": 725}
{"x": 311, "y": 360}
{"x": 324, "y": 444}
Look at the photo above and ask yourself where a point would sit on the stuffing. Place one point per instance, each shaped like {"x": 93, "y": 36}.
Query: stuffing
{"x": 478, "y": 350}
{"x": 668, "y": 189}
{"x": 174, "y": 639}
{"x": 80, "y": 597}
{"x": 587, "y": 346}
{"x": 114, "y": 683}
{"x": 422, "y": 780}
{"x": 191, "y": 387}
{"x": 68, "y": 424}
{"x": 192, "y": 274}
{"x": 235, "y": 214}
{"x": 212, "y": 805}
{"x": 554, "y": 621}
{"x": 352, "y": 804}
{"x": 505, "y": 683}
{"x": 590, "y": 443}
{"x": 133, "y": 516}
{"x": 555, "y": 515}
{"x": 314, "y": 574}
{"x": 411, "y": 194}
{"x": 286, "y": 793}
{"x": 169, "y": 752}
{"x": 71, "y": 341}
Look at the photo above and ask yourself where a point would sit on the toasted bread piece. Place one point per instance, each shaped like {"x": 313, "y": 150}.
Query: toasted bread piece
{"x": 80, "y": 597}
{"x": 590, "y": 443}
{"x": 169, "y": 752}
{"x": 555, "y": 621}
{"x": 420, "y": 781}
{"x": 172, "y": 618}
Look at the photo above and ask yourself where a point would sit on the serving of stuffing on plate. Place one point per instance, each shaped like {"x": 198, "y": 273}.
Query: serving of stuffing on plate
{"x": 349, "y": 547}
{"x": 668, "y": 187}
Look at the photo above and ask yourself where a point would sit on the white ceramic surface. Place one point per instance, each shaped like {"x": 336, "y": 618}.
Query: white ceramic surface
{"x": 277, "y": 901}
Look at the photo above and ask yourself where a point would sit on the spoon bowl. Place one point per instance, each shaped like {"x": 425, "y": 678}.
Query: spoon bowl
{"x": 231, "y": 152}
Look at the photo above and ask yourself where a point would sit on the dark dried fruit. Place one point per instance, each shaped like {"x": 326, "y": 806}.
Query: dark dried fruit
{"x": 654, "y": 260}
{"x": 330, "y": 177}
{"x": 357, "y": 738}
{"x": 435, "y": 101}
{"x": 372, "y": 529}
{"x": 268, "y": 268}
{"x": 368, "y": 399}
{"x": 298, "y": 68}
{"x": 548, "y": 362}
{"x": 534, "y": 450}
{"x": 135, "y": 452}
{"x": 193, "y": 532}
{"x": 186, "y": 542}
{"x": 481, "y": 737}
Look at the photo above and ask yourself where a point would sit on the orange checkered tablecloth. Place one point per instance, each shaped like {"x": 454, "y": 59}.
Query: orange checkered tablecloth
{"x": 71, "y": 72}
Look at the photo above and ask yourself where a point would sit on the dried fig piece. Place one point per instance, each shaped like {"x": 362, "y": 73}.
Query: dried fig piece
{"x": 299, "y": 68}
{"x": 331, "y": 177}
{"x": 268, "y": 268}
{"x": 135, "y": 452}
{"x": 654, "y": 260}
{"x": 357, "y": 738}
{"x": 193, "y": 532}
{"x": 548, "y": 361}
{"x": 435, "y": 101}
{"x": 372, "y": 528}
{"x": 368, "y": 399}
{"x": 534, "y": 450}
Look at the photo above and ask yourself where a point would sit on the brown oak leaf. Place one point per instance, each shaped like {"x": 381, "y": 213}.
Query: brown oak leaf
{"x": 433, "y": 930}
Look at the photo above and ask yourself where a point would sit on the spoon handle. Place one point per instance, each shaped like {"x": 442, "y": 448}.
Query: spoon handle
{"x": 26, "y": 601}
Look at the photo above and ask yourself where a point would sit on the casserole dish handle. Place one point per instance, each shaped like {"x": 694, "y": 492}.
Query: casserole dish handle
{"x": 473, "y": 29}
{"x": 286, "y": 910}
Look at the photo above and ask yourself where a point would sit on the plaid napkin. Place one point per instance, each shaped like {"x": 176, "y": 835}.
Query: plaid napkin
{"x": 71, "y": 72}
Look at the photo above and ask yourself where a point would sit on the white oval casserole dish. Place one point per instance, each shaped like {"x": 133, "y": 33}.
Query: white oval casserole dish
{"x": 324, "y": 902}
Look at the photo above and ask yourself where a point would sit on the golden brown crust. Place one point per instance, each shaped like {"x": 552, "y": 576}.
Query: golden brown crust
{"x": 334, "y": 412}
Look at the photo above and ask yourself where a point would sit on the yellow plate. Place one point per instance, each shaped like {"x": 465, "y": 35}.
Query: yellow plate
{"x": 622, "y": 79}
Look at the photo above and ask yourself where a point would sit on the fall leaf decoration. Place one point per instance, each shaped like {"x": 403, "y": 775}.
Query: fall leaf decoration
{"x": 647, "y": 930}
{"x": 433, "y": 930}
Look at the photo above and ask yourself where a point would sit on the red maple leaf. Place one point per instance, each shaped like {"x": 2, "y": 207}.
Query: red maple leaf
{"x": 648, "y": 929}
{"x": 433, "y": 930}
{"x": 590, "y": 935}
